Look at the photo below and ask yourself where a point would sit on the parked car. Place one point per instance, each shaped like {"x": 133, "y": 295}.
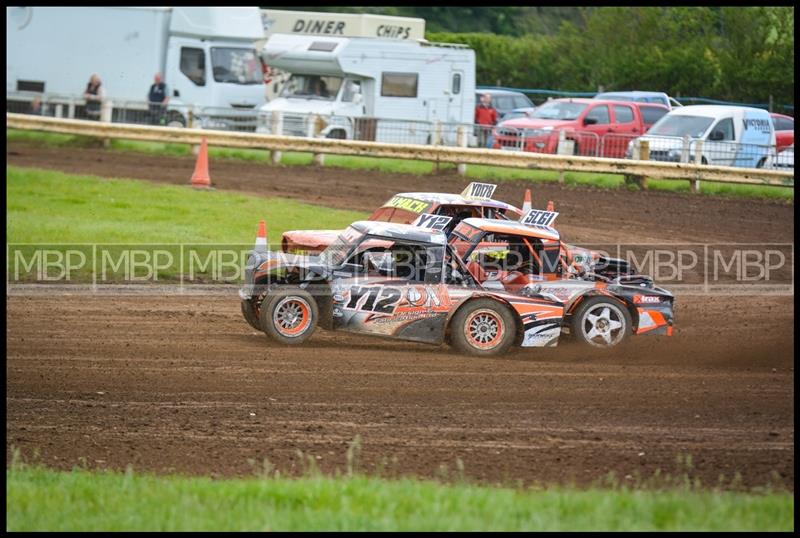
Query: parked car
{"x": 591, "y": 126}
{"x": 524, "y": 112}
{"x": 731, "y": 136}
{"x": 640, "y": 97}
{"x": 504, "y": 101}
{"x": 783, "y": 162}
{"x": 784, "y": 130}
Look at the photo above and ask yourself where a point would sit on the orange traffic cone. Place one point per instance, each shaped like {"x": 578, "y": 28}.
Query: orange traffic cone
{"x": 200, "y": 178}
{"x": 261, "y": 238}
{"x": 526, "y": 206}
{"x": 550, "y": 206}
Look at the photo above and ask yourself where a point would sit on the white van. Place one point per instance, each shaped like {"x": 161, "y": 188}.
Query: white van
{"x": 731, "y": 135}
{"x": 358, "y": 88}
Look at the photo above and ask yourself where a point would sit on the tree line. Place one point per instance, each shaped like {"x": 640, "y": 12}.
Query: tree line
{"x": 742, "y": 54}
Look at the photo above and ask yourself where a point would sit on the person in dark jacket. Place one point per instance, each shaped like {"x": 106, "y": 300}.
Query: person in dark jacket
{"x": 485, "y": 119}
{"x": 157, "y": 98}
{"x": 94, "y": 95}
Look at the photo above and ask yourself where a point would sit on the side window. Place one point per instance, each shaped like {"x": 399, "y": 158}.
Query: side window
{"x": 399, "y": 84}
{"x": 623, "y": 114}
{"x": 600, "y": 113}
{"x": 456, "y": 83}
{"x": 351, "y": 89}
{"x": 651, "y": 114}
{"x": 193, "y": 65}
{"x": 726, "y": 126}
{"x": 521, "y": 102}
{"x": 782, "y": 124}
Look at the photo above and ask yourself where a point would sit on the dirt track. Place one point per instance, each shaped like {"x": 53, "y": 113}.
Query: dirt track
{"x": 183, "y": 384}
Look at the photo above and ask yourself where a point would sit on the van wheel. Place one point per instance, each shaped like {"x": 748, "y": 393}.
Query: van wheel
{"x": 176, "y": 120}
{"x": 289, "y": 315}
{"x": 761, "y": 162}
{"x": 576, "y": 150}
{"x": 337, "y": 134}
{"x": 483, "y": 327}
{"x": 703, "y": 161}
{"x": 600, "y": 322}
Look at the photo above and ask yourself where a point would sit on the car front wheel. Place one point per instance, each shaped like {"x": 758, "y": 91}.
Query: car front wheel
{"x": 289, "y": 315}
{"x": 483, "y": 327}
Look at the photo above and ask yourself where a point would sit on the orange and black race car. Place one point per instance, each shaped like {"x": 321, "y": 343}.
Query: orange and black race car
{"x": 406, "y": 207}
{"x": 603, "y": 301}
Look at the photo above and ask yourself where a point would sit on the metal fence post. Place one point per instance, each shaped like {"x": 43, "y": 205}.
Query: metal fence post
{"x": 698, "y": 160}
{"x": 685, "y": 149}
{"x": 277, "y": 129}
{"x": 462, "y": 143}
{"x": 106, "y": 109}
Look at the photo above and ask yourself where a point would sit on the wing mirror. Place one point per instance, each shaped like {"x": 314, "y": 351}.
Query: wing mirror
{"x": 589, "y": 121}
{"x": 716, "y": 136}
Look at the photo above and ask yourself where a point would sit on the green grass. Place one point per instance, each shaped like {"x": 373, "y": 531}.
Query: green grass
{"x": 39, "y": 499}
{"x": 606, "y": 181}
{"x": 45, "y": 206}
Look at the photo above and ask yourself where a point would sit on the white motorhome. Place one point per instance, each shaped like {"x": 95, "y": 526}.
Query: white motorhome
{"x": 369, "y": 89}
{"x": 277, "y": 21}
{"x": 207, "y": 55}
{"x": 730, "y": 135}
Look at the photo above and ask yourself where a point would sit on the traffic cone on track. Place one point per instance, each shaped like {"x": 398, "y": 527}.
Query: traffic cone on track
{"x": 200, "y": 178}
{"x": 261, "y": 238}
{"x": 550, "y": 206}
{"x": 526, "y": 206}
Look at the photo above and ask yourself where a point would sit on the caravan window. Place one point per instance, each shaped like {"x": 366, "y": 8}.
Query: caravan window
{"x": 399, "y": 84}
{"x": 351, "y": 89}
{"x": 239, "y": 66}
{"x": 193, "y": 65}
{"x": 456, "y": 83}
{"x": 312, "y": 87}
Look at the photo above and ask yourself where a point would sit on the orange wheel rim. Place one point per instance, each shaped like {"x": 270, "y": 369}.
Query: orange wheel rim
{"x": 292, "y": 316}
{"x": 484, "y": 329}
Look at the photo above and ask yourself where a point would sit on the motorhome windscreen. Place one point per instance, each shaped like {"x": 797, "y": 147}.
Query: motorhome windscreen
{"x": 237, "y": 66}
{"x": 312, "y": 87}
{"x": 559, "y": 111}
{"x": 681, "y": 125}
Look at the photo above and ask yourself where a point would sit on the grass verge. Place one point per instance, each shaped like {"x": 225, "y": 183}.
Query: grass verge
{"x": 39, "y": 499}
{"x": 607, "y": 181}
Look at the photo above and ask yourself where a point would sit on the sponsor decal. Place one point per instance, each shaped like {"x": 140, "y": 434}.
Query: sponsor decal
{"x": 432, "y": 222}
{"x": 646, "y": 299}
{"x": 375, "y": 299}
{"x": 539, "y": 217}
{"x": 409, "y": 204}
{"x": 757, "y": 124}
{"x": 479, "y": 191}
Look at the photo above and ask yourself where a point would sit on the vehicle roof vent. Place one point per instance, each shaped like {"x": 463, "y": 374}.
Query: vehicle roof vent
{"x": 323, "y": 46}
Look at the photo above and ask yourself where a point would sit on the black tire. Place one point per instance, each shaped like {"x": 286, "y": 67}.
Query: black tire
{"x": 606, "y": 335}
{"x": 484, "y": 328}
{"x": 337, "y": 134}
{"x": 176, "y": 120}
{"x": 576, "y": 150}
{"x": 279, "y": 311}
{"x": 761, "y": 162}
{"x": 250, "y": 313}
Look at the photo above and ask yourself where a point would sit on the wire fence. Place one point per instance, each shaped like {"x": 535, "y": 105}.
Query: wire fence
{"x": 387, "y": 130}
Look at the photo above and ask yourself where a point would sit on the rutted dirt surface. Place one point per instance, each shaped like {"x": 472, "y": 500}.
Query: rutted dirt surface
{"x": 183, "y": 384}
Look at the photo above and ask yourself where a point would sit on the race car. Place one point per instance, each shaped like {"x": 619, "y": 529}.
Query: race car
{"x": 603, "y": 300}
{"x": 403, "y": 208}
{"x": 407, "y": 282}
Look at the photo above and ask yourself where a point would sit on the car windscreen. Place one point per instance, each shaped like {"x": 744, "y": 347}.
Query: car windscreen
{"x": 559, "y": 110}
{"x": 311, "y": 87}
{"x": 681, "y": 125}
{"x": 237, "y": 66}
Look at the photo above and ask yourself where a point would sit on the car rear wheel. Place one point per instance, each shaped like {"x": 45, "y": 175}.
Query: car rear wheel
{"x": 483, "y": 327}
{"x": 289, "y": 315}
{"x": 600, "y": 322}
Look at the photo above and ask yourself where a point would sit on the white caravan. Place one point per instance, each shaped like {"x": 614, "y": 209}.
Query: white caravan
{"x": 369, "y": 89}
{"x": 730, "y": 135}
{"x": 207, "y": 55}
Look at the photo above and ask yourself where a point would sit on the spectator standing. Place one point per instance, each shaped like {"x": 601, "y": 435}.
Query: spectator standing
{"x": 485, "y": 119}
{"x": 94, "y": 95}
{"x": 158, "y": 99}
{"x": 36, "y": 106}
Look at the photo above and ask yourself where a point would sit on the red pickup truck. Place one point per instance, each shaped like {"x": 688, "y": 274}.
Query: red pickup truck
{"x": 595, "y": 127}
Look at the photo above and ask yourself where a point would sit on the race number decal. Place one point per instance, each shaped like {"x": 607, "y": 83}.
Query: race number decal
{"x": 432, "y": 222}
{"x": 377, "y": 299}
{"x": 539, "y": 217}
{"x": 479, "y": 191}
